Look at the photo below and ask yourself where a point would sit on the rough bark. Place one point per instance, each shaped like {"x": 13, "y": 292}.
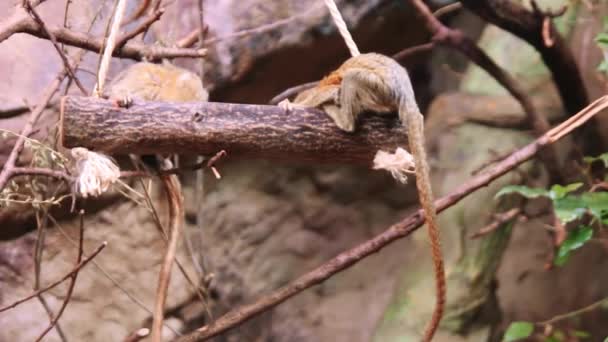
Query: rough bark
{"x": 256, "y": 131}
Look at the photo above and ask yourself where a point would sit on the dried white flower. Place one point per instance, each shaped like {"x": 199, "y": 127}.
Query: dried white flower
{"x": 399, "y": 164}
{"x": 96, "y": 172}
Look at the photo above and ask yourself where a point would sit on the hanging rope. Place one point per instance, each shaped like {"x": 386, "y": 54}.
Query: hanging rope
{"x": 341, "y": 24}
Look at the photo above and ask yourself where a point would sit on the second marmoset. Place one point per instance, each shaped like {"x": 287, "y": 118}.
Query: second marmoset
{"x": 157, "y": 82}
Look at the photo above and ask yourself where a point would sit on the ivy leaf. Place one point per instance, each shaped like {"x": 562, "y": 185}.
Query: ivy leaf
{"x": 602, "y": 157}
{"x": 518, "y": 331}
{"x": 522, "y": 190}
{"x": 569, "y": 208}
{"x": 576, "y": 239}
{"x": 597, "y": 202}
{"x": 557, "y": 191}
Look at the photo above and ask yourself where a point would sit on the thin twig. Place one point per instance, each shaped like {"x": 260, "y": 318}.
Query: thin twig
{"x": 190, "y": 39}
{"x": 107, "y": 275}
{"x": 40, "y": 171}
{"x": 74, "y": 270}
{"x": 7, "y": 170}
{"x": 53, "y": 39}
{"x": 176, "y": 213}
{"x": 49, "y": 312}
{"x": 397, "y": 231}
{"x": 141, "y": 27}
{"x": 500, "y": 219}
{"x": 41, "y": 225}
{"x": 413, "y": 50}
{"x": 66, "y": 10}
{"x": 159, "y": 226}
{"x": 575, "y": 313}
{"x": 200, "y": 292}
{"x": 72, "y": 280}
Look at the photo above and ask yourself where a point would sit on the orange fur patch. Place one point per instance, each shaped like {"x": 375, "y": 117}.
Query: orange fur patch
{"x": 334, "y": 78}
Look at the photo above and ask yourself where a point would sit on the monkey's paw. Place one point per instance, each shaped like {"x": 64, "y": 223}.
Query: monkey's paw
{"x": 124, "y": 102}
{"x": 287, "y": 105}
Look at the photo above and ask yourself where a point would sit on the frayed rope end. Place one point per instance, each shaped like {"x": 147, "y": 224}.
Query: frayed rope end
{"x": 399, "y": 164}
{"x": 96, "y": 172}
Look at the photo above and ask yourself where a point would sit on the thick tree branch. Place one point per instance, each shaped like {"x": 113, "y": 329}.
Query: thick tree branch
{"x": 399, "y": 230}
{"x": 528, "y": 25}
{"x": 205, "y": 128}
{"x": 458, "y": 41}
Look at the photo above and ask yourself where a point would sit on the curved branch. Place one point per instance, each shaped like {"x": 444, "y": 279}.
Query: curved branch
{"x": 458, "y": 41}
{"x": 528, "y": 25}
{"x": 399, "y": 230}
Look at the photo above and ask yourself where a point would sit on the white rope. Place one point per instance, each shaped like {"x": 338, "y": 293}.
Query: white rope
{"x": 339, "y": 21}
{"x": 107, "y": 53}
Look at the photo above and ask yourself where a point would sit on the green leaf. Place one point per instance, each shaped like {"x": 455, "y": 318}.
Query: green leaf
{"x": 558, "y": 191}
{"x": 602, "y": 38}
{"x": 602, "y": 157}
{"x": 581, "y": 334}
{"x": 518, "y": 331}
{"x": 597, "y": 202}
{"x": 603, "y": 66}
{"x": 576, "y": 239}
{"x": 569, "y": 208}
{"x": 522, "y": 190}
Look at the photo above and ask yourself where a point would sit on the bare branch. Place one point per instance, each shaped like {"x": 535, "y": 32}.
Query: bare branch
{"x": 72, "y": 280}
{"x": 7, "y": 170}
{"x": 66, "y": 64}
{"x": 500, "y": 219}
{"x": 132, "y": 50}
{"x": 458, "y": 41}
{"x": 141, "y": 27}
{"x": 75, "y": 270}
{"x": 527, "y": 25}
{"x": 397, "y": 231}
